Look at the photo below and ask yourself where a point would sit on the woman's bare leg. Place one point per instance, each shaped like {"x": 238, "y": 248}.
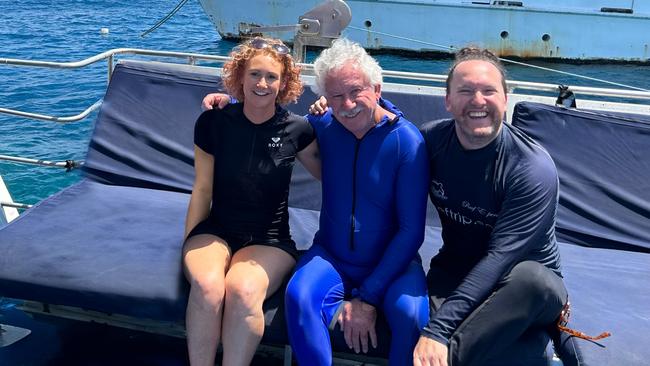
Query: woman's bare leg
{"x": 255, "y": 273}
{"x": 205, "y": 259}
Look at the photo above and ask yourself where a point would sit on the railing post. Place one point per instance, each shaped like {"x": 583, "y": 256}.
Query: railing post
{"x": 110, "y": 67}
{"x": 287, "y": 355}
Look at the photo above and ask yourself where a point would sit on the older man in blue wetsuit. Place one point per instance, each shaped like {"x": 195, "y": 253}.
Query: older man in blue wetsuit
{"x": 364, "y": 256}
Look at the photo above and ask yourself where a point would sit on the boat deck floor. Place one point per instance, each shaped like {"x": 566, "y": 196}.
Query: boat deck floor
{"x": 58, "y": 341}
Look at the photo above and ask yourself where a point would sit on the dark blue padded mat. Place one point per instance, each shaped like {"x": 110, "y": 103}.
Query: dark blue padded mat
{"x": 107, "y": 248}
{"x": 604, "y": 168}
{"x": 609, "y": 291}
{"x": 143, "y": 135}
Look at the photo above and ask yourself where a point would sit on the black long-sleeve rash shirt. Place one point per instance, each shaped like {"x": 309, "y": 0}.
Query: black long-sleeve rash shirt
{"x": 497, "y": 206}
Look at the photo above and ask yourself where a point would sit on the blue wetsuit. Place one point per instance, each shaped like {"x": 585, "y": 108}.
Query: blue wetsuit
{"x": 371, "y": 227}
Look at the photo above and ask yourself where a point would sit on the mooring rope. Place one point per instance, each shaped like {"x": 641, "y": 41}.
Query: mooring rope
{"x": 165, "y": 18}
{"x": 451, "y": 48}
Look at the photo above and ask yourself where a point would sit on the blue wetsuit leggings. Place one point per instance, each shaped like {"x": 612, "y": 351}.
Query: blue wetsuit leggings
{"x": 316, "y": 291}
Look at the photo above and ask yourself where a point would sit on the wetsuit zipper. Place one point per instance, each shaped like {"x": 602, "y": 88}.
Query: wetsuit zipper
{"x": 250, "y": 156}
{"x": 354, "y": 193}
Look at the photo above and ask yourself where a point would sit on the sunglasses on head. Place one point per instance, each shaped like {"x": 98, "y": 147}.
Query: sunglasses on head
{"x": 260, "y": 43}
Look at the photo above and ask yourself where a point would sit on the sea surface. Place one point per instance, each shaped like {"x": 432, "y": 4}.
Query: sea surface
{"x": 64, "y": 31}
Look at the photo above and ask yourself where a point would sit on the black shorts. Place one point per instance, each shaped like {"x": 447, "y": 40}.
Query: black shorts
{"x": 237, "y": 241}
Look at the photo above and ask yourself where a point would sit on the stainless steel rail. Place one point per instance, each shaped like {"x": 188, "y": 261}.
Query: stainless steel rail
{"x": 514, "y": 85}
{"x": 15, "y": 205}
{"x": 192, "y": 58}
{"x": 44, "y": 117}
{"x": 68, "y": 164}
{"x": 107, "y": 55}
{"x": 110, "y": 54}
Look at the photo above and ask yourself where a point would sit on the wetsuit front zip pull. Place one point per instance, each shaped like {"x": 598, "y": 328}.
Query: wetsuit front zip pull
{"x": 354, "y": 192}
{"x": 250, "y": 157}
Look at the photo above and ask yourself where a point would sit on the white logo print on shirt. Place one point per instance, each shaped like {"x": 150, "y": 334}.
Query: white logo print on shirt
{"x": 437, "y": 190}
{"x": 275, "y": 142}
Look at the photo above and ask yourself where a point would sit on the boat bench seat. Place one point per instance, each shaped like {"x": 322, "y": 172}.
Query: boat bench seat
{"x": 112, "y": 242}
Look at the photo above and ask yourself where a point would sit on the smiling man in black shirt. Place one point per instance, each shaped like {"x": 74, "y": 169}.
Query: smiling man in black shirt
{"x": 496, "y": 284}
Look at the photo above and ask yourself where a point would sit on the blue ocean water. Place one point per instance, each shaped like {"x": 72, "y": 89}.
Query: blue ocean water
{"x": 69, "y": 30}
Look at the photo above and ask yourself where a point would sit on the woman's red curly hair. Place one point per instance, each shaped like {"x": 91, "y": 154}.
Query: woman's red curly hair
{"x": 233, "y": 71}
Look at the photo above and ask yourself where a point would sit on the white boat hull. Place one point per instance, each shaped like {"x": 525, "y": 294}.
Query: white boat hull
{"x": 7, "y": 214}
{"x": 554, "y": 29}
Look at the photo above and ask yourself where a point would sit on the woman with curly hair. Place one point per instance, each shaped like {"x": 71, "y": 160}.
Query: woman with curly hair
{"x": 237, "y": 248}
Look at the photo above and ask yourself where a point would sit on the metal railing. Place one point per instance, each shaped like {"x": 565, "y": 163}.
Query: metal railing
{"x": 44, "y": 117}
{"x": 192, "y": 58}
{"x": 67, "y": 165}
{"x": 14, "y": 205}
{"x": 526, "y": 85}
{"x": 109, "y": 56}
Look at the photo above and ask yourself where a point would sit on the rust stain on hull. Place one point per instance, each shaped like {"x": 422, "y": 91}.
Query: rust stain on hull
{"x": 539, "y": 49}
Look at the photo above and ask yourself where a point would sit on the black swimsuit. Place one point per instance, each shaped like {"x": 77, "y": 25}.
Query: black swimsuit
{"x": 252, "y": 172}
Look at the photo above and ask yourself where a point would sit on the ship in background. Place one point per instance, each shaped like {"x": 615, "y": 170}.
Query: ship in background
{"x": 578, "y": 30}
